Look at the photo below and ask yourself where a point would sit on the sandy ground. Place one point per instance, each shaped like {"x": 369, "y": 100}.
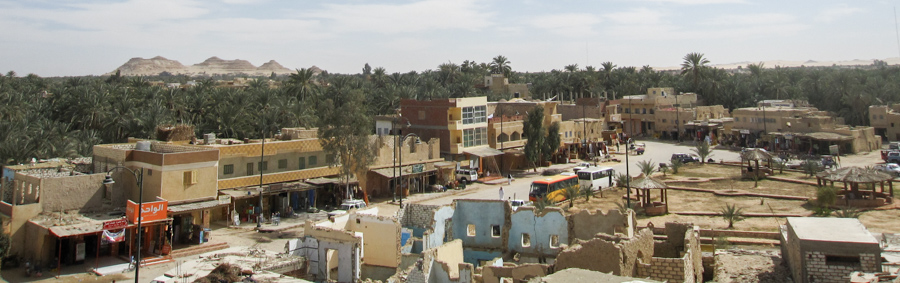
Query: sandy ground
{"x": 750, "y": 265}
{"x": 687, "y": 201}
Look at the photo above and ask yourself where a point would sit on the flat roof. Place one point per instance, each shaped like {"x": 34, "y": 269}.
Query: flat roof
{"x": 828, "y": 229}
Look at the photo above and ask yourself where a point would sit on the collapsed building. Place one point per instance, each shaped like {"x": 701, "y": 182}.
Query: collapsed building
{"x": 488, "y": 241}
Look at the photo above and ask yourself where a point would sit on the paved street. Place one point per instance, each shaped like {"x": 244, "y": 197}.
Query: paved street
{"x": 656, "y": 152}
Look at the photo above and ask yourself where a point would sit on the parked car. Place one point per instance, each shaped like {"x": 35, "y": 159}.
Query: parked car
{"x": 790, "y": 164}
{"x": 516, "y": 203}
{"x": 889, "y": 168}
{"x": 828, "y": 161}
{"x": 581, "y": 166}
{"x": 466, "y": 175}
{"x": 892, "y": 157}
{"x": 685, "y": 158}
{"x": 894, "y": 146}
{"x": 347, "y": 205}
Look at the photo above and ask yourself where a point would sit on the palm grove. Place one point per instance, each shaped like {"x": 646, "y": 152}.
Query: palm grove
{"x": 65, "y": 117}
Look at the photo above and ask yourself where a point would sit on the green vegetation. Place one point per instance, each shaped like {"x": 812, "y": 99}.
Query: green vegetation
{"x": 534, "y": 132}
{"x": 647, "y": 167}
{"x": 622, "y": 179}
{"x": 676, "y": 164}
{"x": 847, "y": 212}
{"x": 703, "y": 150}
{"x": 826, "y": 196}
{"x": 62, "y": 117}
{"x": 732, "y": 213}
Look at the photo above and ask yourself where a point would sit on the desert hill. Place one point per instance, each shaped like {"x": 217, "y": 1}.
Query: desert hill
{"x": 213, "y": 66}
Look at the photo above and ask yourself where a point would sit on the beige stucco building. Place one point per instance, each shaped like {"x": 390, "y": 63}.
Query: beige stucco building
{"x": 799, "y": 128}
{"x": 886, "y": 121}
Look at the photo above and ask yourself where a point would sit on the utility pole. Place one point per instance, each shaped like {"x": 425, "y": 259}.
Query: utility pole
{"x": 627, "y": 165}
{"x": 677, "y": 119}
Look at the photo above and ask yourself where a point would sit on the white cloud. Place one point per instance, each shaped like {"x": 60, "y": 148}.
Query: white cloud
{"x": 836, "y": 12}
{"x": 419, "y": 16}
{"x": 572, "y": 25}
{"x": 641, "y": 16}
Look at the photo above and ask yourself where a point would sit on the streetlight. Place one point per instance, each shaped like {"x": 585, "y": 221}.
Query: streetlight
{"x": 627, "y": 172}
{"x": 262, "y": 153}
{"x": 139, "y": 178}
{"x": 397, "y": 147}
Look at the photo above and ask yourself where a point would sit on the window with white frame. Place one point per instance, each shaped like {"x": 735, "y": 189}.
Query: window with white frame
{"x": 474, "y": 137}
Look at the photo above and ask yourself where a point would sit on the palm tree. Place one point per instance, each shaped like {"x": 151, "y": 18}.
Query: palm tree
{"x": 500, "y": 65}
{"x": 647, "y": 167}
{"x": 693, "y": 67}
{"x": 703, "y": 150}
{"x": 732, "y": 214}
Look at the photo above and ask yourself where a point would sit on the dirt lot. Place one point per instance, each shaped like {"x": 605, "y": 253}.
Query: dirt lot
{"x": 750, "y": 265}
{"x": 688, "y": 201}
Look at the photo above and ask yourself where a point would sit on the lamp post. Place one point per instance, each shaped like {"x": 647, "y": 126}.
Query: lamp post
{"x": 677, "y": 119}
{"x": 262, "y": 153}
{"x": 583, "y": 127}
{"x": 139, "y": 178}
{"x": 627, "y": 172}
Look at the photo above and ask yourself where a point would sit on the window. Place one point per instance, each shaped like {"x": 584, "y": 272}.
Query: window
{"x": 651, "y": 110}
{"x": 149, "y": 172}
{"x": 480, "y": 114}
{"x": 644, "y": 111}
{"x": 379, "y": 131}
{"x": 282, "y": 164}
{"x": 842, "y": 260}
{"x": 263, "y": 166}
{"x": 190, "y": 177}
{"x": 302, "y": 163}
{"x": 526, "y": 240}
{"x": 554, "y": 241}
{"x": 228, "y": 169}
{"x": 474, "y": 137}
{"x": 421, "y": 115}
{"x": 476, "y": 114}
{"x": 470, "y": 230}
{"x": 313, "y": 161}
{"x": 495, "y": 231}
{"x": 627, "y": 110}
{"x": 250, "y": 168}
{"x": 663, "y": 120}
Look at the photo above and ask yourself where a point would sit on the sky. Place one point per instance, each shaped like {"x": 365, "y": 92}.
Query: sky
{"x": 93, "y": 37}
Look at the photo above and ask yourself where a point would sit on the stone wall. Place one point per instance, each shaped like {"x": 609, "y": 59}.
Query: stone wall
{"x": 418, "y": 215}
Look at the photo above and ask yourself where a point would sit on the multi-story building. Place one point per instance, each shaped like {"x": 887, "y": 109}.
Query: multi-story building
{"x": 886, "y": 121}
{"x": 637, "y": 113}
{"x": 499, "y": 84}
{"x": 801, "y": 129}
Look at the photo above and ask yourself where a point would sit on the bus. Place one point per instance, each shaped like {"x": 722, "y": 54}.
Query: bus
{"x": 552, "y": 187}
{"x": 597, "y": 178}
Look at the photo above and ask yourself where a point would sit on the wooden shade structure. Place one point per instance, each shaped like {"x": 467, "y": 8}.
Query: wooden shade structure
{"x": 755, "y": 154}
{"x": 853, "y": 176}
{"x": 644, "y": 185}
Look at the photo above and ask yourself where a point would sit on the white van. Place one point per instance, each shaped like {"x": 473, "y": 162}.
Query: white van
{"x": 466, "y": 175}
{"x": 597, "y": 178}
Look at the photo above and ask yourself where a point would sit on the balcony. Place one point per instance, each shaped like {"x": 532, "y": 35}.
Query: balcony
{"x": 511, "y": 144}
{"x": 454, "y": 125}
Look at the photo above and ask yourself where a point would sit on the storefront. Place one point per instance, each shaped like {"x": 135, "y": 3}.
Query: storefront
{"x": 190, "y": 221}
{"x": 416, "y": 178}
{"x": 282, "y": 198}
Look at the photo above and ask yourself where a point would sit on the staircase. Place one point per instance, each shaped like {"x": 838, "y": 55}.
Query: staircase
{"x": 198, "y": 249}
{"x": 156, "y": 260}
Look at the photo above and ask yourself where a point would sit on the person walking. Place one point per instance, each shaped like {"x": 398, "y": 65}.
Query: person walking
{"x": 501, "y": 193}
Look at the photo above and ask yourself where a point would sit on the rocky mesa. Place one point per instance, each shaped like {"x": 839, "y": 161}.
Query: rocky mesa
{"x": 213, "y": 66}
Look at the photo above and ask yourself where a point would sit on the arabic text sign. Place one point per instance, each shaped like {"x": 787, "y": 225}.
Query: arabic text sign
{"x": 149, "y": 211}
{"x": 115, "y": 224}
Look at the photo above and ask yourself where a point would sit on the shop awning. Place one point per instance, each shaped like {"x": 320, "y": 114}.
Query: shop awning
{"x": 825, "y": 136}
{"x": 86, "y": 227}
{"x": 188, "y": 207}
{"x": 483, "y": 152}
{"x": 443, "y": 164}
{"x": 407, "y": 170}
{"x": 248, "y": 192}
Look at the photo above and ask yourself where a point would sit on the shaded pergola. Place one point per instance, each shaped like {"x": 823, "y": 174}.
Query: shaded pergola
{"x": 755, "y": 154}
{"x": 644, "y": 185}
{"x": 853, "y": 176}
